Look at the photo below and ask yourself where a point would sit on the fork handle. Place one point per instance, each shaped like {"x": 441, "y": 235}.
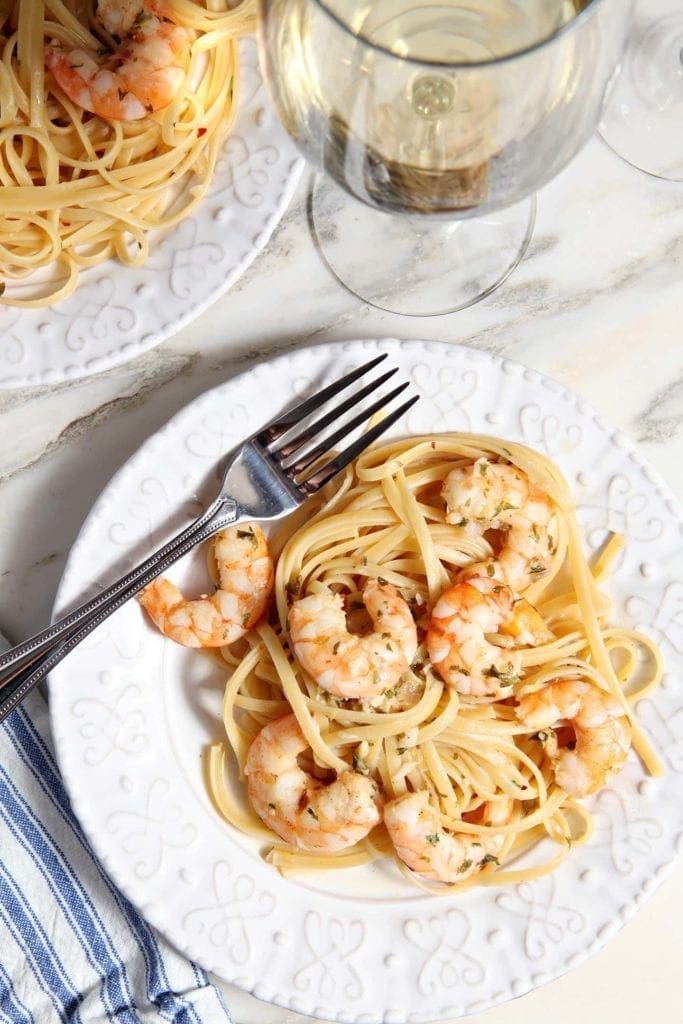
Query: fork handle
{"x": 24, "y": 666}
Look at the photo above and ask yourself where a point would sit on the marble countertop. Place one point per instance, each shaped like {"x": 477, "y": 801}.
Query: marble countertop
{"x": 597, "y": 304}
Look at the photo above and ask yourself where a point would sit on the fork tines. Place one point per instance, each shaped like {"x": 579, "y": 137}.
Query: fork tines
{"x": 320, "y": 477}
{"x": 310, "y": 458}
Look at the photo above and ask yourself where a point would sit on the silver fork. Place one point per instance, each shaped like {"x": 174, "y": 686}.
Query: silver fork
{"x": 264, "y": 481}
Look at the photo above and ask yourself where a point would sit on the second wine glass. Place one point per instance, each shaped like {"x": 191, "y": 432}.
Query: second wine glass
{"x": 643, "y": 121}
{"x": 438, "y": 121}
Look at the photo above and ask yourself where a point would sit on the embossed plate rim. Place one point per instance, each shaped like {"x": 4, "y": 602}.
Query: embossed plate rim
{"x": 44, "y": 336}
{"x": 413, "y": 958}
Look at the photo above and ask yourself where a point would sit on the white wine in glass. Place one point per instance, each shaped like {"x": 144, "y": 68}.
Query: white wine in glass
{"x": 448, "y": 114}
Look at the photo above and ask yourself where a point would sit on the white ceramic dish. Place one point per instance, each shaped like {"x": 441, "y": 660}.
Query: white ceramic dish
{"x": 118, "y": 312}
{"x": 132, "y": 714}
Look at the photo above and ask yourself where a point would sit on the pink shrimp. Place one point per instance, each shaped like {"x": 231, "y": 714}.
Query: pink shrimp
{"x": 494, "y": 496}
{"x": 602, "y": 732}
{"x": 457, "y": 641}
{"x": 415, "y": 828}
{"x": 347, "y": 665}
{"x": 142, "y": 75}
{"x": 302, "y": 810}
{"x": 457, "y": 638}
{"x": 245, "y": 571}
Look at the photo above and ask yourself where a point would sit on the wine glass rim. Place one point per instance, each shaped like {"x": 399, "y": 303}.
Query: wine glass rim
{"x": 569, "y": 26}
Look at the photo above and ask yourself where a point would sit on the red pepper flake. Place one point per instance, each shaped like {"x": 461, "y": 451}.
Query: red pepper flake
{"x": 201, "y": 131}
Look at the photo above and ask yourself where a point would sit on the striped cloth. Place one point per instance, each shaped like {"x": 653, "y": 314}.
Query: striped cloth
{"x": 72, "y": 948}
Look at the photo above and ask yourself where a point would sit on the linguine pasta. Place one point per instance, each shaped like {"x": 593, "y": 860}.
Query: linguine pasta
{"x": 76, "y": 188}
{"x": 387, "y": 521}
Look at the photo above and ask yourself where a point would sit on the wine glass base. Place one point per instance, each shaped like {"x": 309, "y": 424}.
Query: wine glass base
{"x": 416, "y": 265}
{"x": 643, "y": 118}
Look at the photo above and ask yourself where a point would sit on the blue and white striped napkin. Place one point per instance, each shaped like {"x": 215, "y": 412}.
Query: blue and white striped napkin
{"x": 72, "y": 948}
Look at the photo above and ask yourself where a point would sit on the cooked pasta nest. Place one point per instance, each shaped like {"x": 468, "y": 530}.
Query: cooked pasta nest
{"x": 386, "y": 521}
{"x": 77, "y": 188}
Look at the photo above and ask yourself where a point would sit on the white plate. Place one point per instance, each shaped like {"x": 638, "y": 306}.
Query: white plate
{"x": 118, "y": 312}
{"x": 132, "y": 714}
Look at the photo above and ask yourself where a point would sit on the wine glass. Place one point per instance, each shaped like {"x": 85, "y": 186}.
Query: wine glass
{"x": 643, "y": 121}
{"x": 438, "y": 119}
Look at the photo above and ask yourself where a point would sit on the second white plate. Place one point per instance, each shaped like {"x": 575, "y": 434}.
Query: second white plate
{"x": 118, "y": 312}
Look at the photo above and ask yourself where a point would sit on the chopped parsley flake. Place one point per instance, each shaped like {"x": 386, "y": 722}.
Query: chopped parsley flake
{"x": 504, "y": 678}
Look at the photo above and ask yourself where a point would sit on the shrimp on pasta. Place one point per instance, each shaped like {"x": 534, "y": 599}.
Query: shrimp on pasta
{"x": 601, "y": 732}
{"x": 141, "y": 75}
{"x": 458, "y": 638}
{"x": 497, "y": 496}
{"x": 417, "y": 832}
{"x": 343, "y": 663}
{"x": 303, "y": 810}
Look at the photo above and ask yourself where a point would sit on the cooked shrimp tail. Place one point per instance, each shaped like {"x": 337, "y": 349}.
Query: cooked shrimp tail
{"x": 526, "y": 626}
